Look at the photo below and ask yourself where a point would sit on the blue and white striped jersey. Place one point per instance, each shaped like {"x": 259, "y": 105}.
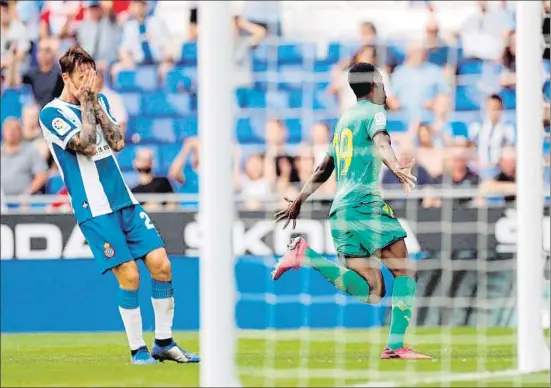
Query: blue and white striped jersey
{"x": 95, "y": 184}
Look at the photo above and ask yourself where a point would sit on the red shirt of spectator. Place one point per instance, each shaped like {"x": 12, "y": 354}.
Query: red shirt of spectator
{"x": 56, "y": 14}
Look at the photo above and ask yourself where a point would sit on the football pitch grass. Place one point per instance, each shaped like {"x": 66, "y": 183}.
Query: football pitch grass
{"x": 269, "y": 359}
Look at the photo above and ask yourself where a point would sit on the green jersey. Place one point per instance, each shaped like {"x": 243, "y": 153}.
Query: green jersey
{"x": 357, "y": 165}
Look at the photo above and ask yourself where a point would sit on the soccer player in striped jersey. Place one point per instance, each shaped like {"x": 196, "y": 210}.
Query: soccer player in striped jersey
{"x": 83, "y": 135}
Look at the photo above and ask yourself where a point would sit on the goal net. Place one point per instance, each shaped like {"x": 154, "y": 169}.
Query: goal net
{"x": 472, "y": 314}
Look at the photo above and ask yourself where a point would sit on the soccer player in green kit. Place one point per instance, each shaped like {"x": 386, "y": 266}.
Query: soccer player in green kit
{"x": 363, "y": 226}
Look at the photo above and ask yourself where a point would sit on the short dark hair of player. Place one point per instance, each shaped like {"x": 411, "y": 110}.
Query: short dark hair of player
{"x": 74, "y": 57}
{"x": 361, "y": 77}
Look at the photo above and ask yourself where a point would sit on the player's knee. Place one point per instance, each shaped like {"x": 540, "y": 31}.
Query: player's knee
{"x": 409, "y": 272}
{"x": 159, "y": 265}
{"x": 128, "y": 275}
{"x": 165, "y": 268}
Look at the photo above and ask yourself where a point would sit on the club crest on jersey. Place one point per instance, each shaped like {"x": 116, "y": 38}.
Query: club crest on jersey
{"x": 380, "y": 118}
{"x": 108, "y": 250}
{"x": 61, "y": 126}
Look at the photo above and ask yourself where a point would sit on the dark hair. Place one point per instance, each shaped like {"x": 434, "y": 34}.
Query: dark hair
{"x": 508, "y": 58}
{"x": 496, "y": 97}
{"x": 361, "y": 77}
{"x": 76, "y": 55}
{"x": 4, "y": 4}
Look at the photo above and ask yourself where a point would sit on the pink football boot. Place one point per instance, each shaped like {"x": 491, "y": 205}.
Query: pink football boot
{"x": 292, "y": 259}
{"x": 405, "y": 353}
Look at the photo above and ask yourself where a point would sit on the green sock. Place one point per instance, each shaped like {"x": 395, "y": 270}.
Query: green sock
{"x": 344, "y": 279}
{"x": 403, "y": 295}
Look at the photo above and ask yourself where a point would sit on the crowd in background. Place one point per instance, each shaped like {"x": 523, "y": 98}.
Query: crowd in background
{"x": 123, "y": 35}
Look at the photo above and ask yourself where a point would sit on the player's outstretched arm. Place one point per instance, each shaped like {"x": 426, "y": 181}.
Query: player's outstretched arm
{"x": 319, "y": 177}
{"x": 403, "y": 173}
{"x": 111, "y": 130}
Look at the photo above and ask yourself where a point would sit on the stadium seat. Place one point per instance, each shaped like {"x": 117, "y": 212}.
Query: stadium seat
{"x": 460, "y": 129}
{"x": 143, "y": 78}
{"x": 340, "y": 50}
{"x": 470, "y": 67}
{"x": 325, "y": 101}
{"x": 150, "y": 130}
{"x": 162, "y": 104}
{"x": 397, "y": 126}
{"x": 291, "y": 77}
{"x": 509, "y": 97}
{"x": 261, "y": 55}
{"x": 439, "y": 56}
{"x": 185, "y": 127}
{"x": 132, "y": 103}
{"x": 191, "y": 183}
{"x": 467, "y": 98}
{"x": 546, "y": 90}
{"x": 396, "y": 52}
{"x": 180, "y": 79}
{"x": 54, "y": 184}
{"x": 294, "y": 130}
{"x": 295, "y": 53}
{"x": 247, "y": 133}
{"x": 167, "y": 153}
{"x": 188, "y": 55}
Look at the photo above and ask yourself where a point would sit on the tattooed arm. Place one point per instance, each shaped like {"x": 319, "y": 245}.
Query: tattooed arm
{"x": 111, "y": 130}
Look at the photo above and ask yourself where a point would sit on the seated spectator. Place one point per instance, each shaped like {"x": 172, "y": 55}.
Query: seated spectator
{"x": 305, "y": 165}
{"x": 459, "y": 175}
{"x": 390, "y": 182}
{"x": 321, "y": 138}
{"x": 266, "y": 14}
{"x": 14, "y": 40}
{"x": 437, "y": 48}
{"x": 32, "y": 133}
{"x": 275, "y": 136}
{"x": 251, "y": 183}
{"x": 23, "y": 170}
{"x": 116, "y": 103}
{"x": 149, "y": 183}
{"x": 492, "y": 134}
{"x": 59, "y": 20}
{"x": 99, "y": 34}
{"x": 146, "y": 40}
{"x": 440, "y": 123}
{"x": 339, "y": 84}
{"x": 192, "y": 24}
{"x": 416, "y": 83}
{"x": 367, "y": 33}
{"x": 247, "y": 37}
{"x": 483, "y": 33}
{"x": 190, "y": 149}
{"x": 430, "y": 152}
{"x": 45, "y": 80}
{"x": 505, "y": 181}
{"x": 508, "y": 61}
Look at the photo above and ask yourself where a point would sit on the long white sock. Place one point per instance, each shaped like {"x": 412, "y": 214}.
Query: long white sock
{"x": 163, "y": 306}
{"x": 131, "y": 318}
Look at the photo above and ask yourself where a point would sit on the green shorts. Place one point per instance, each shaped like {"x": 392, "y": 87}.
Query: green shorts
{"x": 361, "y": 231}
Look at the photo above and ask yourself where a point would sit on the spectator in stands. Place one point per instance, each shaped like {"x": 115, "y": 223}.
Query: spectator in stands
{"x": 45, "y": 80}
{"x": 437, "y": 48}
{"x": 305, "y": 164}
{"x": 459, "y": 175}
{"x": 148, "y": 182}
{"x": 508, "y": 61}
{"x": 116, "y": 103}
{"x": 23, "y": 170}
{"x": 430, "y": 153}
{"x": 367, "y": 33}
{"x": 32, "y": 133}
{"x": 339, "y": 84}
{"x": 190, "y": 149}
{"x": 545, "y": 29}
{"x": 192, "y": 26}
{"x": 505, "y": 181}
{"x": 440, "y": 123}
{"x": 59, "y": 20}
{"x": 14, "y": 40}
{"x": 28, "y": 13}
{"x": 321, "y": 138}
{"x": 424, "y": 180}
{"x": 416, "y": 84}
{"x": 266, "y": 14}
{"x": 492, "y": 134}
{"x": 251, "y": 183}
{"x": 146, "y": 40}
{"x": 247, "y": 37}
{"x": 276, "y": 154}
{"x": 99, "y": 33}
{"x": 482, "y": 34}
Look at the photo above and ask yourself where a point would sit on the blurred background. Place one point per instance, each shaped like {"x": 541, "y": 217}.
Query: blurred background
{"x": 449, "y": 68}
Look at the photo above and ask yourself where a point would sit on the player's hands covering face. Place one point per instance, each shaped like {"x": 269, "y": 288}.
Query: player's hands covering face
{"x": 291, "y": 213}
{"x": 406, "y": 178}
{"x": 85, "y": 91}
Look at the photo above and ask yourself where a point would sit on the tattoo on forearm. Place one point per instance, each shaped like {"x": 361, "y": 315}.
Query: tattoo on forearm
{"x": 88, "y": 135}
{"x": 76, "y": 145}
{"x": 111, "y": 131}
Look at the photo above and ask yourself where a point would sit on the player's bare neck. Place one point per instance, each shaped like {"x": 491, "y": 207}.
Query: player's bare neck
{"x": 68, "y": 97}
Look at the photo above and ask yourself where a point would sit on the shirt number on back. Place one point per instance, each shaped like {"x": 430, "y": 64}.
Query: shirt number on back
{"x": 148, "y": 224}
{"x": 344, "y": 149}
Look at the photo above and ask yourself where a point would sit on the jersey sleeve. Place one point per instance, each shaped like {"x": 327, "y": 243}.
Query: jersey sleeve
{"x": 104, "y": 103}
{"x": 58, "y": 128}
{"x": 377, "y": 123}
{"x": 331, "y": 150}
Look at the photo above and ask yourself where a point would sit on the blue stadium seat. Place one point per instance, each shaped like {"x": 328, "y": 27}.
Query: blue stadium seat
{"x": 180, "y": 79}
{"x": 295, "y": 99}
{"x": 270, "y": 99}
{"x": 509, "y": 97}
{"x": 132, "y": 103}
{"x": 144, "y": 78}
{"x": 546, "y": 90}
{"x": 167, "y": 153}
{"x": 470, "y": 67}
{"x": 396, "y": 126}
{"x": 132, "y": 178}
{"x": 54, "y": 184}
{"x": 290, "y": 77}
{"x": 396, "y": 52}
{"x": 185, "y": 127}
{"x": 546, "y": 67}
{"x": 261, "y": 55}
{"x": 152, "y": 130}
{"x": 295, "y": 53}
{"x": 294, "y": 130}
{"x": 467, "y": 98}
{"x": 161, "y": 104}
{"x": 247, "y": 132}
{"x": 188, "y": 55}
{"x": 438, "y": 56}
{"x": 191, "y": 183}
{"x": 322, "y": 67}
{"x": 325, "y": 101}
{"x": 460, "y": 129}
{"x": 340, "y": 50}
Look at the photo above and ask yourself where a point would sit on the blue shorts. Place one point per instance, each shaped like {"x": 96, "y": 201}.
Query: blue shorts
{"x": 124, "y": 235}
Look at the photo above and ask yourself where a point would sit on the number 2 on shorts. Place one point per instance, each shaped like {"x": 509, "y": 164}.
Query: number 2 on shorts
{"x": 148, "y": 224}
{"x": 344, "y": 148}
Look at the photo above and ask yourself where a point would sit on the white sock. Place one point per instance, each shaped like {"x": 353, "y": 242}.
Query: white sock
{"x": 132, "y": 319}
{"x": 164, "y": 316}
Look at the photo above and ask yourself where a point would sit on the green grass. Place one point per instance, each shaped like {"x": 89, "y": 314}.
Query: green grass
{"x": 267, "y": 359}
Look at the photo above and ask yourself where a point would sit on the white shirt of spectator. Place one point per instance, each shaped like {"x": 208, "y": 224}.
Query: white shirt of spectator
{"x": 490, "y": 140}
{"x": 15, "y": 34}
{"x": 257, "y": 189}
{"x": 159, "y": 43}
